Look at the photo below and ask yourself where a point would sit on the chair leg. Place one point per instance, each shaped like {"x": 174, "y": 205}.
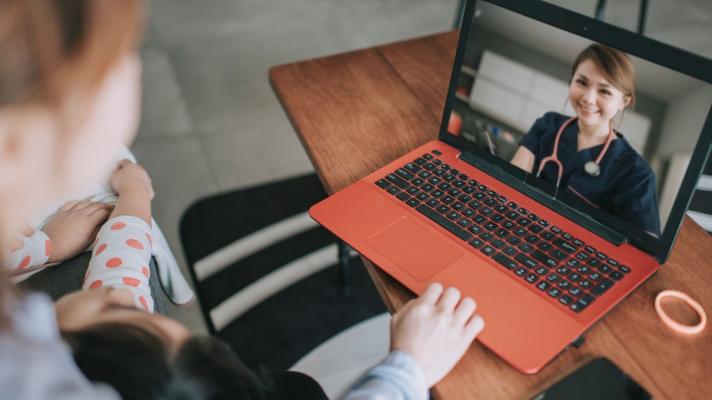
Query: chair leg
{"x": 344, "y": 268}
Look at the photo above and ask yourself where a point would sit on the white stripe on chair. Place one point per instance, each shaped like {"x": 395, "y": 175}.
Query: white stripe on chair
{"x": 704, "y": 220}
{"x": 218, "y": 260}
{"x": 705, "y": 183}
{"x": 245, "y": 299}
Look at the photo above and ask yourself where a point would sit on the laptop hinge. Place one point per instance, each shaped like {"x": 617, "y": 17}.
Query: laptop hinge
{"x": 545, "y": 199}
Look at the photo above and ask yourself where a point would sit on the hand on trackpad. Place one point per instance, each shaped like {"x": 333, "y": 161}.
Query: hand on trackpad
{"x": 414, "y": 249}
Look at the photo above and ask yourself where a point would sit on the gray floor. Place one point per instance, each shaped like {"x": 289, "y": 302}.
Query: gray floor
{"x": 210, "y": 120}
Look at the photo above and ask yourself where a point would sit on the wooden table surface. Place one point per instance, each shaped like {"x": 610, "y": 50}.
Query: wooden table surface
{"x": 354, "y": 112}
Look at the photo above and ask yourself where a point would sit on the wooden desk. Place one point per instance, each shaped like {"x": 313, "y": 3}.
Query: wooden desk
{"x": 355, "y": 112}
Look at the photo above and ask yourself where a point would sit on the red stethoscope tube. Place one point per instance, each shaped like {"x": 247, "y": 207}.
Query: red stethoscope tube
{"x": 554, "y": 154}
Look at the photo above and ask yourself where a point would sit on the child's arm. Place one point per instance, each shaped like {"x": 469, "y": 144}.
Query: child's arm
{"x": 123, "y": 248}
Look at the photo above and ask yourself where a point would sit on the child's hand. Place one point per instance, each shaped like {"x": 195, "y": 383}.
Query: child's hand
{"x": 131, "y": 177}
{"x": 435, "y": 330}
{"x": 73, "y": 228}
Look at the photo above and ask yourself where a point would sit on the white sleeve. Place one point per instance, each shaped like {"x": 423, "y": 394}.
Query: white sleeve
{"x": 34, "y": 252}
{"x": 397, "y": 377}
{"x": 121, "y": 257}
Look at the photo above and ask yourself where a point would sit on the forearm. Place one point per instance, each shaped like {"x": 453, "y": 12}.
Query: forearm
{"x": 397, "y": 377}
{"x": 134, "y": 202}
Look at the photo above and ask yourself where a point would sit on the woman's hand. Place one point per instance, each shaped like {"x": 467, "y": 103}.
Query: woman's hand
{"x": 131, "y": 177}
{"x": 436, "y": 329}
{"x": 73, "y": 228}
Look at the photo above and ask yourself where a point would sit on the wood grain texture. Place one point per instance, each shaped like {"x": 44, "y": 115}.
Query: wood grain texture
{"x": 356, "y": 111}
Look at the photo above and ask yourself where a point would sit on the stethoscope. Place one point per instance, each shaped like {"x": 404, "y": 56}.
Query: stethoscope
{"x": 592, "y": 168}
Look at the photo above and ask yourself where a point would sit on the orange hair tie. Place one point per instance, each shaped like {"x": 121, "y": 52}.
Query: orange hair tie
{"x": 674, "y": 325}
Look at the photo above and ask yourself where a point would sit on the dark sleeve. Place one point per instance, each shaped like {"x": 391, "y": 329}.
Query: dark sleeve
{"x": 634, "y": 198}
{"x": 542, "y": 125}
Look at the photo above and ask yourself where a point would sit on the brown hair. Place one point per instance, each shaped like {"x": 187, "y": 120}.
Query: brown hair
{"x": 616, "y": 67}
{"x": 54, "y": 51}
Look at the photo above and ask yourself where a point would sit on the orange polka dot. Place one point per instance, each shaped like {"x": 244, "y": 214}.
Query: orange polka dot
{"x": 117, "y": 226}
{"x": 114, "y": 262}
{"x": 143, "y": 302}
{"x": 146, "y": 272}
{"x": 135, "y": 244}
{"x": 150, "y": 241}
{"x": 25, "y": 262}
{"x": 100, "y": 249}
{"x": 130, "y": 281}
{"x": 48, "y": 247}
{"x": 96, "y": 284}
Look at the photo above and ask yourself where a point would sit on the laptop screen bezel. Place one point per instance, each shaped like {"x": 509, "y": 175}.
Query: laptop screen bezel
{"x": 645, "y": 48}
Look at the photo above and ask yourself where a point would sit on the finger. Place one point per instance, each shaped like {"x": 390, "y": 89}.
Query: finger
{"x": 432, "y": 293}
{"x": 124, "y": 163}
{"x": 99, "y": 216}
{"x": 449, "y": 299}
{"x": 68, "y": 205}
{"x": 81, "y": 205}
{"x": 464, "y": 311}
{"x": 474, "y": 326}
{"x": 91, "y": 208}
{"x": 27, "y": 230}
{"x": 16, "y": 244}
{"x": 119, "y": 297}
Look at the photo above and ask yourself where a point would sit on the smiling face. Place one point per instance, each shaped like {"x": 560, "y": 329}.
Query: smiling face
{"x": 593, "y": 97}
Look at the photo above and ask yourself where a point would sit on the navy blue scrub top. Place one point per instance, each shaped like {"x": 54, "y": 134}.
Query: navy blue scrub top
{"x": 625, "y": 187}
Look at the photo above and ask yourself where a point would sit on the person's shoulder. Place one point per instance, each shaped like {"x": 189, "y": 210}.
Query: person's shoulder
{"x": 552, "y": 118}
{"x": 630, "y": 156}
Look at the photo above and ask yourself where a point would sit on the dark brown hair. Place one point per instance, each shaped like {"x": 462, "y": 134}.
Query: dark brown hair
{"x": 54, "y": 51}
{"x": 615, "y": 65}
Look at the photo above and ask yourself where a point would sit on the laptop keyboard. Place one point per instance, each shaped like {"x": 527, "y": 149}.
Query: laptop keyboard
{"x": 562, "y": 267}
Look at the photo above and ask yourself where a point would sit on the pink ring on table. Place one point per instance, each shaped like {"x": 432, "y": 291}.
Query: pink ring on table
{"x": 674, "y": 325}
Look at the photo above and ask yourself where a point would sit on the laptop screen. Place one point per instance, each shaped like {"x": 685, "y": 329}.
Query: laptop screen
{"x": 578, "y": 117}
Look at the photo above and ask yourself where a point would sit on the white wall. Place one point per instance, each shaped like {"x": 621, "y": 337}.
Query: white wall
{"x": 683, "y": 121}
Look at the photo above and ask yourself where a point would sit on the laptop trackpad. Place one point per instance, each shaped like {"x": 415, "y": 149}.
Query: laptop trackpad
{"x": 412, "y": 248}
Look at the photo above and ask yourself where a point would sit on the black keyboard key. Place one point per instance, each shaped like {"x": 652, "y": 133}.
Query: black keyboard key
{"x": 531, "y": 278}
{"x": 519, "y": 232}
{"x": 444, "y": 186}
{"x": 437, "y": 162}
{"x": 543, "y": 223}
{"x": 444, "y": 222}
{"x": 601, "y": 256}
{"x": 490, "y": 226}
{"x": 445, "y": 167}
{"x": 497, "y": 244}
{"x": 486, "y": 211}
{"x": 476, "y": 243}
{"x": 558, "y": 254}
{"x": 434, "y": 180}
{"x": 543, "y": 285}
{"x": 464, "y": 198}
{"x": 525, "y": 247}
{"x": 536, "y": 228}
{"x": 507, "y": 224}
{"x": 393, "y": 190}
{"x": 403, "y": 196}
{"x": 510, "y": 251}
{"x": 616, "y": 275}
{"x": 474, "y": 204}
{"x": 541, "y": 271}
{"x": 613, "y": 262}
{"x": 420, "y": 161}
{"x": 505, "y": 261}
{"x": 563, "y": 271}
{"x": 438, "y": 172}
{"x": 564, "y": 245}
{"x": 532, "y": 239}
{"x": 545, "y": 246}
{"x": 413, "y": 190}
{"x": 486, "y": 236}
{"x": 564, "y": 285}
{"x": 464, "y": 223}
{"x": 544, "y": 259}
{"x": 468, "y": 212}
{"x": 602, "y": 287}
{"x": 573, "y": 263}
{"x": 412, "y": 167}
{"x": 513, "y": 240}
{"x": 590, "y": 249}
{"x": 479, "y": 219}
{"x": 547, "y": 235}
{"x": 524, "y": 221}
{"x": 594, "y": 276}
{"x": 575, "y": 291}
{"x": 501, "y": 233}
{"x": 556, "y": 229}
{"x": 586, "y": 284}
{"x": 449, "y": 177}
{"x": 566, "y": 236}
{"x": 422, "y": 196}
{"x": 594, "y": 262}
{"x": 582, "y": 256}
{"x": 424, "y": 174}
{"x": 525, "y": 261}
{"x": 437, "y": 152}
{"x": 497, "y": 217}
{"x": 605, "y": 269}
{"x": 432, "y": 203}
{"x": 400, "y": 182}
{"x": 383, "y": 184}
{"x": 583, "y": 269}
{"x": 521, "y": 271}
{"x": 487, "y": 249}
{"x": 427, "y": 156}
{"x": 452, "y": 215}
{"x": 624, "y": 269}
{"x": 565, "y": 300}
{"x": 458, "y": 206}
{"x": 437, "y": 193}
{"x": 417, "y": 181}
{"x": 513, "y": 205}
{"x": 553, "y": 278}
{"x": 554, "y": 292}
{"x": 577, "y": 242}
{"x": 574, "y": 277}
{"x": 443, "y": 209}
{"x": 512, "y": 215}
{"x": 474, "y": 229}
{"x": 412, "y": 202}
{"x": 523, "y": 211}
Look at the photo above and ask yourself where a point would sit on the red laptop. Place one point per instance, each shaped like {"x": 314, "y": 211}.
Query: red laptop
{"x": 554, "y": 189}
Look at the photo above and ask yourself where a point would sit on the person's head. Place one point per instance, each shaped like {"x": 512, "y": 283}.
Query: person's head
{"x": 148, "y": 356}
{"x": 69, "y": 94}
{"x": 602, "y": 84}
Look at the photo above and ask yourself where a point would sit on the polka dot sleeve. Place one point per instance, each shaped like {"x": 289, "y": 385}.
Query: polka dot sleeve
{"x": 121, "y": 257}
{"x": 34, "y": 251}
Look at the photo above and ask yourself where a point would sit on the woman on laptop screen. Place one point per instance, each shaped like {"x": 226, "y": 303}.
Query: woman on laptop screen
{"x": 585, "y": 154}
